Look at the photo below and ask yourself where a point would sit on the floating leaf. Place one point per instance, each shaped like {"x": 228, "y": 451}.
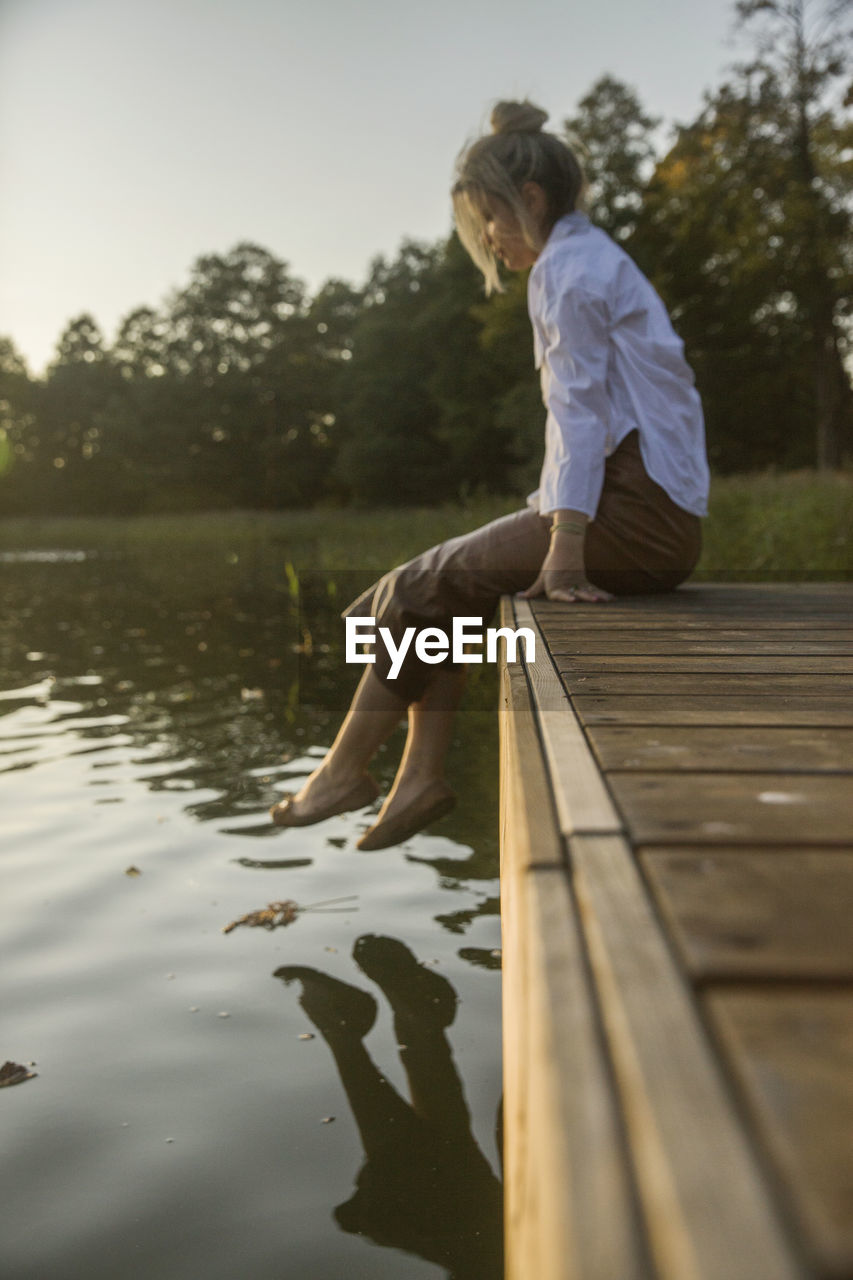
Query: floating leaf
{"x": 13, "y": 1073}
{"x": 279, "y": 914}
{"x": 268, "y": 917}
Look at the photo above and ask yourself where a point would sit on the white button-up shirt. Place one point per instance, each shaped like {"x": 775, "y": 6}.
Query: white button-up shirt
{"x": 610, "y": 362}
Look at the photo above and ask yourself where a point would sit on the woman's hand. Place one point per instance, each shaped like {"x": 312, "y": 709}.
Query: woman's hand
{"x": 563, "y": 574}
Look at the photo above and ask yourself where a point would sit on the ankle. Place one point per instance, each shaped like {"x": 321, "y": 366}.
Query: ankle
{"x": 339, "y": 773}
{"x": 419, "y": 775}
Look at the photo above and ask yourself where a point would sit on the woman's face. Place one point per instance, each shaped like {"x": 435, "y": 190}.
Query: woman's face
{"x": 502, "y": 233}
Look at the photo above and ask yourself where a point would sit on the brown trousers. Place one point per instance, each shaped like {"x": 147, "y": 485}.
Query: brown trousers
{"x": 640, "y": 542}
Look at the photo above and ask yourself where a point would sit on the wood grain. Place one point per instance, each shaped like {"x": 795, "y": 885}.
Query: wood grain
{"x": 751, "y": 748}
{"x": 717, "y": 684}
{"x": 569, "y": 1206}
{"x": 706, "y": 1207}
{"x": 521, "y": 743}
{"x": 582, "y": 799}
{"x": 757, "y": 913}
{"x": 707, "y": 738}
{"x": 791, "y": 1050}
{"x": 567, "y": 640}
{"x": 729, "y": 808}
{"x": 719, "y": 663}
{"x": 699, "y": 709}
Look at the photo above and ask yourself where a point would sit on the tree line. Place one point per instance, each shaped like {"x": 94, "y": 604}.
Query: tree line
{"x": 242, "y": 390}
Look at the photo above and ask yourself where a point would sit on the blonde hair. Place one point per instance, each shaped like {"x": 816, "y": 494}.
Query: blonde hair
{"x": 496, "y": 167}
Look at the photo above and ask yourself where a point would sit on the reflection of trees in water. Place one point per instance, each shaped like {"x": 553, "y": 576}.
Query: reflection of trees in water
{"x": 425, "y": 1186}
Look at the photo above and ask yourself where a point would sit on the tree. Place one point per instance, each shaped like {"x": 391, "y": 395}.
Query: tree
{"x": 244, "y": 355}
{"x": 468, "y": 379}
{"x": 615, "y": 140}
{"x": 721, "y": 236}
{"x": 803, "y": 48}
{"x": 17, "y": 426}
{"x": 81, "y": 455}
{"x": 505, "y": 339}
{"x": 391, "y": 450}
{"x": 230, "y": 315}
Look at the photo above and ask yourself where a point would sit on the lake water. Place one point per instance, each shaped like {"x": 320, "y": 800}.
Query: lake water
{"x": 315, "y": 1100}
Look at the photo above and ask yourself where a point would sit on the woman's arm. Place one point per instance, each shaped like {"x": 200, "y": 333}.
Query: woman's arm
{"x": 563, "y": 574}
{"x": 575, "y": 333}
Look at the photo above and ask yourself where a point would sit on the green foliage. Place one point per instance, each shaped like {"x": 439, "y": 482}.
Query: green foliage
{"x": 711, "y": 240}
{"x": 17, "y": 419}
{"x": 419, "y": 422}
{"x": 790, "y": 527}
{"x": 803, "y": 47}
{"x": 761, "y": 526}
{"x": 615, "y": 137}
{"x": 751, "y": 262}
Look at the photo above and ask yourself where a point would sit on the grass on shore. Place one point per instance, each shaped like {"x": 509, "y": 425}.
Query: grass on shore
{"x": 765, "y": 526}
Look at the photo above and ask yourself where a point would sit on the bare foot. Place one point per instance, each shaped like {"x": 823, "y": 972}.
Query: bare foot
{"x": 411, "y": 806}
{"x": 322, "y": 797}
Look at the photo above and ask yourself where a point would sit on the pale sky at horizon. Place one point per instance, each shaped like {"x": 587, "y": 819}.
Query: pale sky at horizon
{"x": 136, "y": 136}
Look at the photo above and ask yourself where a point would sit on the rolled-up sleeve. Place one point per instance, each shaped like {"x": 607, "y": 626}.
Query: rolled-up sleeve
{"x": 574, "y": 342}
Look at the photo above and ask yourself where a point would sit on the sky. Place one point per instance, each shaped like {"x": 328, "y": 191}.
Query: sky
{"x": 136, "y": 135}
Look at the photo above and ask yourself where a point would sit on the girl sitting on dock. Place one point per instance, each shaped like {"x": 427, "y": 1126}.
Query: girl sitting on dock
{"x": 623, "y": 485}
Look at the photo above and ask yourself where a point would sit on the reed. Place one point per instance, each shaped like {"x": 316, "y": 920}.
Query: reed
{"x": 760, "y": 527}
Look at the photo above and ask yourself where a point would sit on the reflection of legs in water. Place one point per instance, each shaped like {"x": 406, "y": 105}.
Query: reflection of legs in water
{"x": 423, "y": 1004}
{"x": 425, "y": 1185}
{"x": 419, "y": 794}
{"x": 343, "y": 1015}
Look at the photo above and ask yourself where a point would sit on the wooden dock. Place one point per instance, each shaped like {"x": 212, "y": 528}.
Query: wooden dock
{"x": 677, "y": 902}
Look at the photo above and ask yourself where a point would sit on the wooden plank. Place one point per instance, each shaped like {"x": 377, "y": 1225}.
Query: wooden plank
{"x": 761, "y": 606}
{"x": 683, "y": 664}
{"x": 569, "y": 640}
{"x": 583, "y": 803}
{"x": 697, "y": 709}
{"x": 763, "y": 913}
{"x": 716, "y": 684}
{"x": 733, "y": 808}
{"x": 761, "y": 748}
{"x": 520, "y": 743}
{"x": 675, "y": 612}
{"x": 748, "y": 594}
{"x": 658, "y": 611}
{"x": 707, "y": 1209}
{"x": 603, "y": 620}
{"x": 791, "y": 1049}
{"x": 569, "y": 1208}
{"x": 800, "y": 588}
{"x": 723, "y": 716}
{"x": 724, "y": 601}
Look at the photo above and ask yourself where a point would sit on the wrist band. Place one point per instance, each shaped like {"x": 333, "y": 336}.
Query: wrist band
{"x": 568, "y": 524}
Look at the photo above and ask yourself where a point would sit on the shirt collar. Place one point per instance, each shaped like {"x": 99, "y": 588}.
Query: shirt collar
{"x": 570, "y": 223}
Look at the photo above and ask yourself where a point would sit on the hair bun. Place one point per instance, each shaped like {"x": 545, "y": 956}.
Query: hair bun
{"x": 517, "y": 117}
